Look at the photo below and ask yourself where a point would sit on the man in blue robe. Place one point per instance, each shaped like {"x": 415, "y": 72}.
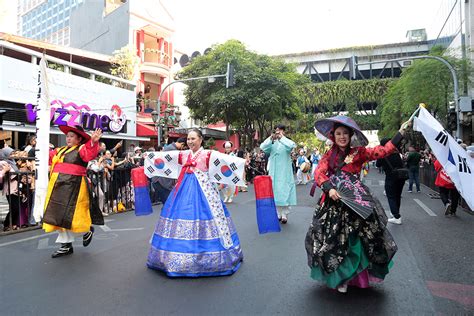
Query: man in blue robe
{"x": 280, "y": 169}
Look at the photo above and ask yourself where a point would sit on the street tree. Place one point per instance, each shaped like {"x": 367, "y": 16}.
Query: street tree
{"x": 266, "y": 89}
{"x": 425, "y": 81}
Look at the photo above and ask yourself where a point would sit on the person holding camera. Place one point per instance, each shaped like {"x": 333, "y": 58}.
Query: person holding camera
{"x": 280, "y": 168}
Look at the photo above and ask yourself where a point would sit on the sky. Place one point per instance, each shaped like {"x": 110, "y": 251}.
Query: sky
{"x": 281, "y": 27}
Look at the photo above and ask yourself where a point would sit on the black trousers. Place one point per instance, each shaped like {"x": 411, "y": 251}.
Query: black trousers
{"x": 162, "y": 193}
{"x": 449, "y": 196}
{"x": 13, "y": 212}
{"x": 394, "y": 189}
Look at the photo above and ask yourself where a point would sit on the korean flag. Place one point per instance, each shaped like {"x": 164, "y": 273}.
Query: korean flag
{"x": 226, "y": 169}
{"x": 162, "y": 164}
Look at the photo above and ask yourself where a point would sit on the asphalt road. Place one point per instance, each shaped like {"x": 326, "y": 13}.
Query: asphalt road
{"x": 433, "y": 271}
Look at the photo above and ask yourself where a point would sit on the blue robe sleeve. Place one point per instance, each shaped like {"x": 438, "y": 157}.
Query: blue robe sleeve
{"x": 266, "y": 146}
{"x": 287, "y": 143}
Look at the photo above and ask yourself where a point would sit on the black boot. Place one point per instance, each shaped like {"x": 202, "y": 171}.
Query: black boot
{"x": 87, "y": 237}
{"x": 64, "y": 250}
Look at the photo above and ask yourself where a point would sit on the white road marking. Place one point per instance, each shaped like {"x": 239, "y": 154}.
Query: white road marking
{"x": 107, "y": 229}
{"x": 126, "y": 229}
{"x": 424, "y": 207}
{"x": 24, "y": 239}
{"x": 381, "y": 182}
{"x": 44, "y": 244}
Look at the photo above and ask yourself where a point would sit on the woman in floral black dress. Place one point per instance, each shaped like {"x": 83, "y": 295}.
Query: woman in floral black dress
{"x": 343, "y": 248}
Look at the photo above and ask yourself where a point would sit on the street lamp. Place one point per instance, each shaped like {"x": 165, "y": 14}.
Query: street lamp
{"x": 155, "y": 116}
{"x": 162, "y": 123}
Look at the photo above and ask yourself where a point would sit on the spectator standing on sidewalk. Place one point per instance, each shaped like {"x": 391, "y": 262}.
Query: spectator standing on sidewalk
{"x": 8, "y": 168}
{"x": 393, "y": 185}
{"x": 113, "y": 151}
{"x": 447, "y": 191}
{"x": 31, "y": 146}
{"x": 413, "y": 165}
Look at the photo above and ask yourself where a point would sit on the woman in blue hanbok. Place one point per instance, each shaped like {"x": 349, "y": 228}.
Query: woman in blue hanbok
{"x": 195, "y": 235}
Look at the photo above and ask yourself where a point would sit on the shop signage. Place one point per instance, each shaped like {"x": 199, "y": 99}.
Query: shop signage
{"x": 71, "y": 114}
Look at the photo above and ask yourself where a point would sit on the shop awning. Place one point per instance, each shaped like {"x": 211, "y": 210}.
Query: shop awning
{"x": 146, "y": 130}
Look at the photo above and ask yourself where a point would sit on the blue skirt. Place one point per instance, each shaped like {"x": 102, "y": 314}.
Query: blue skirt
{"x": 186, "y": 241}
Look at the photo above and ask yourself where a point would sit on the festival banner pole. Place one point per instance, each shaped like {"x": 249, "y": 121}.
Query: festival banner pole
{"x": 42, "y": 143}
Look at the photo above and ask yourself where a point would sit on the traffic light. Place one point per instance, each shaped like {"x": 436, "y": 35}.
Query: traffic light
{"x": 353, "y": 67}
{"x": 230, "y": 82}
{"x": 452, "y": 119}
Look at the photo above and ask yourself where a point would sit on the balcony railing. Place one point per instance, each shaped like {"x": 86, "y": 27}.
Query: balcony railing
{"x": 156, "y": 56}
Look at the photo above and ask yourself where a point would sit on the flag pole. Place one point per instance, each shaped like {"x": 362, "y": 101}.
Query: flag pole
{"x": 422, "y": 105}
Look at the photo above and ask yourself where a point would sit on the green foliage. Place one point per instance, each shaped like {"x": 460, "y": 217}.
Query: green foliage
{"x": 425, "y": 81}
{"x": 266, "y": 89}
{"x": 124, "y": 63}
{"x": 55, "y": 66}
{"x": 308, "y": 140}
{"x": 334, "y": 93}
{"x": 348, "y": 96}
{"x": 210, "y": 143}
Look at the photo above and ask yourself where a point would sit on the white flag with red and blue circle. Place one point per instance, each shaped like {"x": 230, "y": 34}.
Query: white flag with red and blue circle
{"x": 162, "y": 164}
{"x": 226, "y": 169}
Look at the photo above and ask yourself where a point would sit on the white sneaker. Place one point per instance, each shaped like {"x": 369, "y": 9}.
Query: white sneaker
{"x": 447, "y": 210}
{"x": 342, "y": 288}
{"x": 394, "y": 220}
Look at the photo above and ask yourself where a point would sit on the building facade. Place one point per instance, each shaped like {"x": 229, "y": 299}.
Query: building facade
{"x": 75, "y": 94}
{"x": 46, "y": 20}
{"x": 107, "y": 26}
{"x": 147, "y": 27}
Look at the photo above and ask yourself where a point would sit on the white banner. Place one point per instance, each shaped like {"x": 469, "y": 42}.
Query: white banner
{"x": 42, "y": 141}
{"x": 226, "y": 169}
{"x": 454, "y": 159}
{"x": 162, "y": 164}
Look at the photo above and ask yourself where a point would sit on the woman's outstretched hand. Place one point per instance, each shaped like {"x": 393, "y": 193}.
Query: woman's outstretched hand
{"x": 334, "y": 195}
{"x": 405, "y": 126}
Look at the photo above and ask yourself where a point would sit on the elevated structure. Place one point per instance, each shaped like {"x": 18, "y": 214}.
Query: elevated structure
{"x": 334, "y": 64}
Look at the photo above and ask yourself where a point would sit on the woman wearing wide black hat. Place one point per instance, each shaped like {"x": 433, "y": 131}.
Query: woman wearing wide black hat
{"x": 344, "y": 248}
{"x": 68, "y": 200}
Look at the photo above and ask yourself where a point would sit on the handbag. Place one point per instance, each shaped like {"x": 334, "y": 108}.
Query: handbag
{"x": 398, "y": 173}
